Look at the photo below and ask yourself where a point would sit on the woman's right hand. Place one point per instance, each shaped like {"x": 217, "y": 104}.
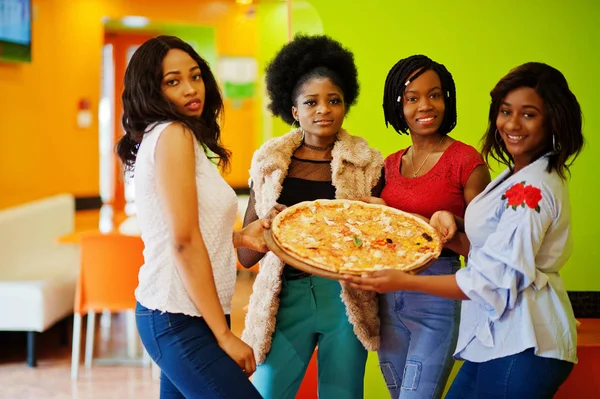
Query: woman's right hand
{"x": 239, "y": 351}
{"x": 445, "y": 224}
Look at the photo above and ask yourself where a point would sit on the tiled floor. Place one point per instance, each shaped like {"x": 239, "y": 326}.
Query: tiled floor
{"x": 52, "y": 379}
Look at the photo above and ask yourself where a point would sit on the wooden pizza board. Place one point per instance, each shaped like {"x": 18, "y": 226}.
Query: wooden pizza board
{"x": 317, "y": 271}
{"x": 295, "y": 262}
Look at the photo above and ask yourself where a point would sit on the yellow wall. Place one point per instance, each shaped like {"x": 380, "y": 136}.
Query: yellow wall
{"x": 43, "y": 152}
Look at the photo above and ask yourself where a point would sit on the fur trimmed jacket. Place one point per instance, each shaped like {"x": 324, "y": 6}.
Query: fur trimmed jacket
{"x": 356, "y": 169}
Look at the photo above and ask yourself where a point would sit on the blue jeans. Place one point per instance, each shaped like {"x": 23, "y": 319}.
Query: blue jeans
{"x": 520, "y": 376}
{"x": 311, "y": 313}
{"x": 192, "y": 363}
{"x": 418, "y": 338}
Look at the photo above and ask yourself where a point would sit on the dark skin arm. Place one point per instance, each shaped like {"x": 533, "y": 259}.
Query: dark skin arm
{"x": 247, "y": 256}
{"x": 395, "y": 280}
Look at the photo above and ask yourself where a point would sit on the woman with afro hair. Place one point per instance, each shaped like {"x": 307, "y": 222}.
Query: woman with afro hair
{"x": 312, "y": 83}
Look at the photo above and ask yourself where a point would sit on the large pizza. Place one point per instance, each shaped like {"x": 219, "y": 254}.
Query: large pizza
{"x": 344, "y": 236}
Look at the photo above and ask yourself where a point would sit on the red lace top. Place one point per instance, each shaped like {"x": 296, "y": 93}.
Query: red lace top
{"x": 439, "y": 189}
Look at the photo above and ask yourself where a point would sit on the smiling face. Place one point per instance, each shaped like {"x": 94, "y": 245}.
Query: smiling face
{"x": 319, "y": 107}
{"x": 520, "y": 122}
{"x": 182, "y": 83}
{"x": 423, "y": 104}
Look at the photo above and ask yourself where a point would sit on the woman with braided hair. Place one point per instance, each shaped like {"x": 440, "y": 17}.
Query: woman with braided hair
{"x": 419, "y": 331}
{"x": 312, "y": 83}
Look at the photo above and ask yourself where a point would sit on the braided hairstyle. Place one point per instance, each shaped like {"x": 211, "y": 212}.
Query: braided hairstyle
{"x": 304, "y": 58}
{"x": 396, "y": 82}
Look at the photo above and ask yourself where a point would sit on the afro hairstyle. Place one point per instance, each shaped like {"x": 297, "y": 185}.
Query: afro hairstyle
{"x": 302, "y": 59}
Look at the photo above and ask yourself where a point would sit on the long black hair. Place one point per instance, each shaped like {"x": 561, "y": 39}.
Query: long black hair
{"x": 302, "y": 59}
{"x": 145, "y": 105}
{"x": 562, "y": 115}
{"x": 396, "y": 82}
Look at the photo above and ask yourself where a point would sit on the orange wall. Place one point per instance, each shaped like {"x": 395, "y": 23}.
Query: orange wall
{"x": 43, "y": 152}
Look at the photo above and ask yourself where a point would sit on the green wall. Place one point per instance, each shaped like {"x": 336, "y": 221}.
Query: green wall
{"x": 201, "y": 38}
{"x": 479, "y": 42}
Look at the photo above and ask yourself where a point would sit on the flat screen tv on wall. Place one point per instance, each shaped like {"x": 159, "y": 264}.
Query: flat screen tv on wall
{"x": 15, "y": 30}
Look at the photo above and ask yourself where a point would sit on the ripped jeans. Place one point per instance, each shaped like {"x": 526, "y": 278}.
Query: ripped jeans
{"x": 418, "y": 338}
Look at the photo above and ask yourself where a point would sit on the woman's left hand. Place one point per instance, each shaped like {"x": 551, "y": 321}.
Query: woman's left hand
{"x": 445, "y": 224}
{"x": 380, "y": 281}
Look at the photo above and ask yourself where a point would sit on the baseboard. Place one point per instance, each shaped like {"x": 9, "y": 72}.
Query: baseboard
{"x": 586, "y": 304}
{"x": 87, "y": 203}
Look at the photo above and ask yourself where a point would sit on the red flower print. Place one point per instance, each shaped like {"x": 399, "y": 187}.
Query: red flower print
{"x": 533, "y": 196}
{"x": 521, "y": 195}
{"x": 515, "y": 194}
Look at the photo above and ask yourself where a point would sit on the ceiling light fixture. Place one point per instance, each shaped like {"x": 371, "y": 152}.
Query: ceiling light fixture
{"x": 135, "y": 21}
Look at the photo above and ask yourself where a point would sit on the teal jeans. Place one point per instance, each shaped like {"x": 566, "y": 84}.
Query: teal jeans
{"x": 311, "y": 314}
